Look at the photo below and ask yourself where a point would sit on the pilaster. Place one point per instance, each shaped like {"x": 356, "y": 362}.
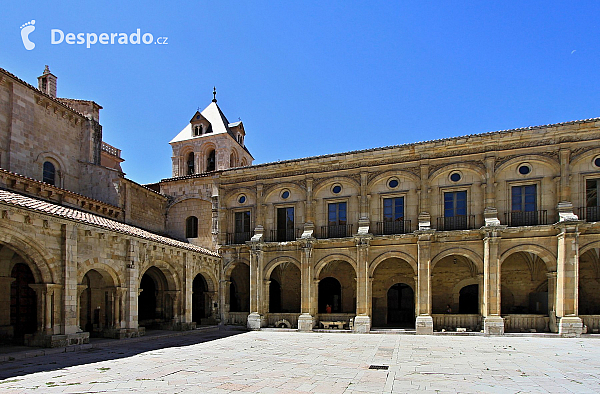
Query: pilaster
{"x": 256, "y": 286}
{"x": 567, "y": 280}
{"x": 362, "y": 321}
{"x": 70, "y": 324}
{"x": 132, "y": 277}
{"x": 424, "y": 321}
{"x": 305, "y": 320}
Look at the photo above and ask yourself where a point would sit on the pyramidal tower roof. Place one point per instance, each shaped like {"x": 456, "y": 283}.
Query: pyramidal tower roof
{"x": 213, "y": 114}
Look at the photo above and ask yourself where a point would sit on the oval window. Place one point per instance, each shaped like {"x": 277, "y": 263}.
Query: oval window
{"x": 242, "y": 199}
{"x": 597, "y": 162}
{"x": 336, "y": 189}
{"x": 455, "y": 177}
{"x": 524, "y": 169}
{"x": 285, "y": 194}
{"x": 393, "y": 183}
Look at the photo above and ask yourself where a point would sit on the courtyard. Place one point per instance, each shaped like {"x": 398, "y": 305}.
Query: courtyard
{"x": 277, "y": 361}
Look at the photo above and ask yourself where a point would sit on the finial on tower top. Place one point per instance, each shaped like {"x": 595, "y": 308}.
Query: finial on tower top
{"x": 46, "y": 69}
{"x": 214, "y": 100}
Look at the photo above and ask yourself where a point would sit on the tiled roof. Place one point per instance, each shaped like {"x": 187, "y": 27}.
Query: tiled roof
{"x": 21, "y": 201}
{"x": 411, "y": 144}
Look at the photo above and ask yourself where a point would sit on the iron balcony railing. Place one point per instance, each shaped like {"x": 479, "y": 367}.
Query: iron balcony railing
{"x": 526, "y": 218}
{"x": 589, "y": 214}
{"x": 238, "y": 238}
{"x": 284, "y": 235}
{"x": 459, "y": 222}
{"x": 338, "y": 231}
{"x": 393, "y": 227}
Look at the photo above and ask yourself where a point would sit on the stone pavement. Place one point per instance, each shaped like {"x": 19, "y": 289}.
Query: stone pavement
{"x": 292, "y": 362}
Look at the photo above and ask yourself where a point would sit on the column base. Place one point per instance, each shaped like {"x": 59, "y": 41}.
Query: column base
{"x": 570, "y": 327}
{"x": 362, "y": 324}
{"x": 493, "y": 325}
{"x": 46, "y": 340}
{"x": 254, "y": 321}
{"x": 424, "y": 325}
{"x": 305, "y": 322}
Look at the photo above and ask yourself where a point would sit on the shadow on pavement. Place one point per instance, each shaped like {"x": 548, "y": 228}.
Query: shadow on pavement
{"x": 112, "y": 351}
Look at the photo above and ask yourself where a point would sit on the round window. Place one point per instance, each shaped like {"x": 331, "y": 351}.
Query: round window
{"x": 336, "y": 189}
{"x": 597, "y": 162}
{"x": 524, "y": 169}
{"x": 285, "y": 194}
{"x": 242, "y": 199}
{"x": 455, "y": 177}
{"x": 393, "y": 183}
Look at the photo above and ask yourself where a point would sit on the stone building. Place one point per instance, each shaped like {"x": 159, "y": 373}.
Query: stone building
{"x": 497, "y": 232}
{"x": 84, "y": 250}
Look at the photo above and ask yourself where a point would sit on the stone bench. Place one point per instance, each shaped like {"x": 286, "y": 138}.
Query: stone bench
{"x": 333, "y": 324}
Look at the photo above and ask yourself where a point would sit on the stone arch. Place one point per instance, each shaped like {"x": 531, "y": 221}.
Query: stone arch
{"x": 393, "y": 254}
{"x": 547, "y": 257}
{"x": 336, "y": 179}
{"x": 171, "y": 276}
{"x": 589, "y": 246}
{"x": 228, "y": 268}
{"x": 271, "y": 265}
{"x": 230, "y": 197}
{"x": 473, "y": 257}
{"x": 34, "y": 255}
{"x": 410, "y": 282}
{"x": 105, "y": 269}
{"x": 272, "y": 192}
{"x": 334, "y": 257}
{"x": 575, "y": 159}
{"x": 461, "y": 284}
{"x": 393, "y": 173}
{"x": 209, "y": 277}
{"x": 458, "y": 166}
{"x": 233, "y": 158}
{"x": 530, "y": 158}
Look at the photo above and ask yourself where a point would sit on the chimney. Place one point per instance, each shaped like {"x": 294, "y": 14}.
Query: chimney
{"x": 47, "y": 82}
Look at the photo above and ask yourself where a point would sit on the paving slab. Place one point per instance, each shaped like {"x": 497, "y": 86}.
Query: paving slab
{"x": 221, "y": 361}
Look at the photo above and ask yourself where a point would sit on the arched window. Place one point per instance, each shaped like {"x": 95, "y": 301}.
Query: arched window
{"x": 190, "y": 163}
{"x": 49, "y": 174}
{"x": 210, "y": 162}
{"x": 191, "y": 227}
{"x": 232, "y": 160}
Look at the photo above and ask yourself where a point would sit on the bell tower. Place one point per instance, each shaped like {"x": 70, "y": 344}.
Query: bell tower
{"x": 47, "y": 82}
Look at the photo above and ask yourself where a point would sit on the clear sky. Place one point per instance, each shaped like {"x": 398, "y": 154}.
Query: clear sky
{"x": 314, "y": 77}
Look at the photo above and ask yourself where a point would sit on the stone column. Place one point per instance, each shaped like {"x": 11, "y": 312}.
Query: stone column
{"x": 224, "y": 297}
{"x": 552, "y": 301}
{"x": 567, "y": 280}
{"x": 424, "y": 321}
{"x": 70, "y": 324}
{"x": 6, "y": 329}
{"x": 362, "y": 321}
{"x": 305, "y": 320}
{"x": 174, "y": 295}
{"x": 310, "y": 207}
{"x": 80, "y": 290}
{"x": 44, "y": 293}
{"x": 266, "y": 299}
{"x": 256, "y": 257}
{"x": 132, "y": 284}
{"x": 493, "y": 323}
{"x": 215, "y": 221}
{"x": 186, "y": 313}
{"x": 424, "y": 217}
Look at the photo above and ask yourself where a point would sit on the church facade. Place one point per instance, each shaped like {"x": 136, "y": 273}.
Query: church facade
{"x": 494, "y": 232}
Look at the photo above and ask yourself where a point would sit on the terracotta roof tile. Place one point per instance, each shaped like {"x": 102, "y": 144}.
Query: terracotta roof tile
{"x": 21, "y": 201}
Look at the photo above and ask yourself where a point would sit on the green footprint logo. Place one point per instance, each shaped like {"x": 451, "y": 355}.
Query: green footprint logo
{"x": 26, "y": 30}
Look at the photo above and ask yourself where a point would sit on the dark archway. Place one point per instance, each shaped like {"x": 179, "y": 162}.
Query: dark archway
{"x": 23, "y": 305}
{"x": 274, "y": 297}
{"x": 211, "y": 161}
{"x": 401, "y": 306}
{"x": 239, "y": 288}
{"x": 468, "y": 299}
{"x": 330, "y": 293}
{"x": 147, "y": 299}
{"x": 200, "y": 299}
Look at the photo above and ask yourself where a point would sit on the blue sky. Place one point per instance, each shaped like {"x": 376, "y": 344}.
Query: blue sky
{"x": 315, "y": 77}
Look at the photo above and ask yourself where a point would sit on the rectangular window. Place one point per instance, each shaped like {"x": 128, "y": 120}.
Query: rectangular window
{"x": 336, "y": 220}
{"x": 393, "y": 215}
{"x": 592, "y": 200}
{"x": 242, "y": 227}
{"x": 455, "y": 210}
{"x": 524, "y": 205}
{"x": 285, "y": 224}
